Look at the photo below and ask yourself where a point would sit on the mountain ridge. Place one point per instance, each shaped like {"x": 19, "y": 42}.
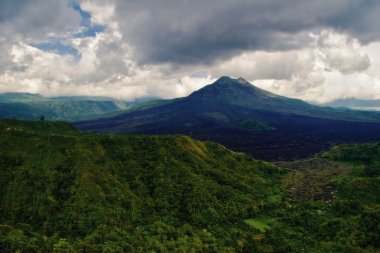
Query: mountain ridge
{"x": 22, "y": 105}
{"x": 355, "y": 103}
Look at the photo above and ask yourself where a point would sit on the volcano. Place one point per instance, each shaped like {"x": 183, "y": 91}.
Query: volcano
{"x": 246, "y": 118}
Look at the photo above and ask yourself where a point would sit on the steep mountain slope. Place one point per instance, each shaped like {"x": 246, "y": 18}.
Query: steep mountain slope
{"x": 245, "y": 118}
{"x": 63, "y": 190}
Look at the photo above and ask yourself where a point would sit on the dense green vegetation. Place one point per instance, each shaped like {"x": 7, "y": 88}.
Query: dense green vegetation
{"x": 332, "y": 203}
{"x": 65, "y": 191}
{"x": 62, "y": 190}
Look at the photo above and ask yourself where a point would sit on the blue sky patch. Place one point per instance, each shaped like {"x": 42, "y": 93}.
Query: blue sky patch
{"x": 90, "y": 31}
{"x": 59, "y": 48}
{"x": 85, "y": 15}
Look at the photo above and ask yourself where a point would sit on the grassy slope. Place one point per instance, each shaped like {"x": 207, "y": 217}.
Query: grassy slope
{"x": 65, "y": 190}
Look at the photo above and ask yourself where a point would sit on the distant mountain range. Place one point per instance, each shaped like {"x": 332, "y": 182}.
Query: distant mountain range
{"x": 246, "y": 118}
{"x": 230, "y": 111}
{"x": 32, "y": 106}
{"x": 356, "y": 103}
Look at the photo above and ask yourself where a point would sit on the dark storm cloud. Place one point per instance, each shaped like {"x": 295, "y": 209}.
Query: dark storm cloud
{"x": 36, "y": 18}
{"x": 10, "y": 8}
{"x": 201, "y": 31}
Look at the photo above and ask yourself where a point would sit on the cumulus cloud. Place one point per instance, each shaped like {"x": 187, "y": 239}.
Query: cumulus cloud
{"x": 202, "y": 31}
{"x": 341, "y": 53}
{"x": 335, "y": 66}
{"x": 128, "y": 49}
{"x": 33, "y": 22}
{"x": 37, "y": 19}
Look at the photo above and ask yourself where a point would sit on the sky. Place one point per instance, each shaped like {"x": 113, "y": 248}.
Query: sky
{"x": 313, "y": 50}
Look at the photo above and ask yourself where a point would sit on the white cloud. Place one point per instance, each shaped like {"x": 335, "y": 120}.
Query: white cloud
{"x": 333, "y": 66}
{"x": 330, "y": 65}
{"x": 341, "y": 53}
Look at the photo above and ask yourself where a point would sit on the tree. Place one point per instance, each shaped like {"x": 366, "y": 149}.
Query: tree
{"x": 63, "y": 246}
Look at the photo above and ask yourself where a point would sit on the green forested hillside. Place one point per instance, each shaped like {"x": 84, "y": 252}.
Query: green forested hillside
{"x": 64, "y": 190}
{"x": 333, "y": 201}
{"x": 362, "y": 184}
{"x": 32, "y": 106}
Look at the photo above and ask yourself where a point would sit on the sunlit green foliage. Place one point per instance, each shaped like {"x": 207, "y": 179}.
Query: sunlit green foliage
{"x": 64, "y": 191}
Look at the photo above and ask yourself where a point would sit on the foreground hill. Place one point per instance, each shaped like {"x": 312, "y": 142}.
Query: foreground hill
{"x": 246, "y": 118}
{"x": 64, "y": 190}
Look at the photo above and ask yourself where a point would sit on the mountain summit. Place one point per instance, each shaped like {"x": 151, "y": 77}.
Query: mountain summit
{"x": 240, "y": 92}
{"x": 225, "y": 103}
{"x": 227, "y": 88}
{"x": 240, "y": 115}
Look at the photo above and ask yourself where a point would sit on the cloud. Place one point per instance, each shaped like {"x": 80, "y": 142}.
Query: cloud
{"x": 37, "y": 19}
{"x": 332, "y": 66}
{"x": 255, "y": 65}
{"x": 127, "y": 49}
{"x": 58, "y": 48}
{"x": 33, "y": 21}
{"x": 188, "y": 32}
{"x": 341, "y": 53}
